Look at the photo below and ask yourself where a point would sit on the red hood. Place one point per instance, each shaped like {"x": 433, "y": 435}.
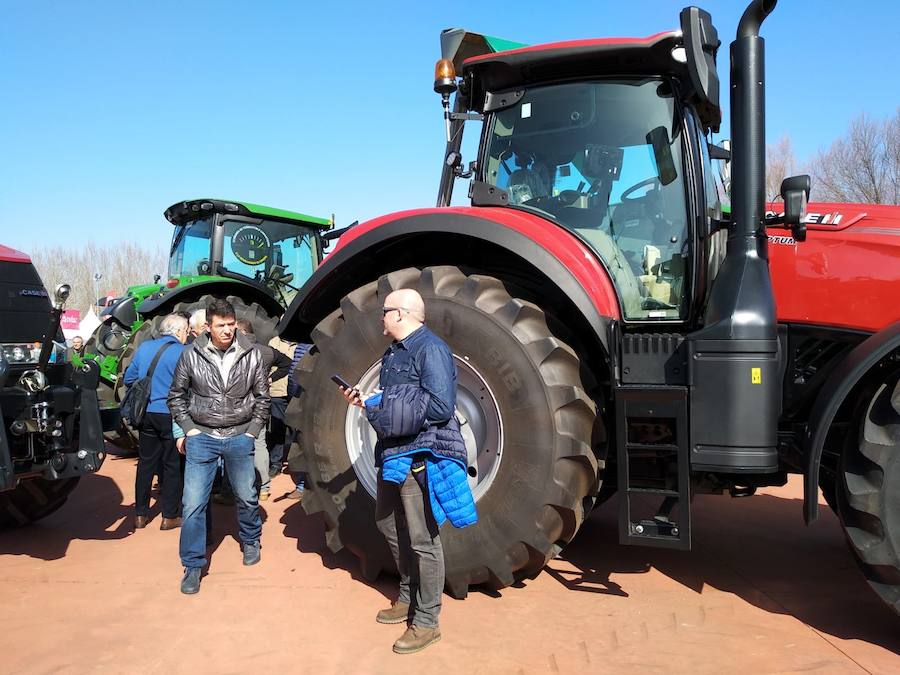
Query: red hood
{"x": 846, "y": 273}
{"x": 12, "y": 255}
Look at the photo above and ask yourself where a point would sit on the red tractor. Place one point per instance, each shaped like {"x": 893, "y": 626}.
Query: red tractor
{"x": 614, "y": 327}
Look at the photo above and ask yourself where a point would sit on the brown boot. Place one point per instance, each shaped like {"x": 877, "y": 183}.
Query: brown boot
{"x": 397, "y": 613}
{"x": 170, "y": 523}
{"x": 416, "y": 638}
{"x": 141, "y": 522}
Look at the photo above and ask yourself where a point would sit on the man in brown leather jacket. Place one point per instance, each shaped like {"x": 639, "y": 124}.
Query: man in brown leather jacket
{"x": 220, "y": 397}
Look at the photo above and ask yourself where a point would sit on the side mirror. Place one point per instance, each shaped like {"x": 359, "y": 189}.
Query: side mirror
{"x": 61, "y": 295}
{"x": 795, "y": 193}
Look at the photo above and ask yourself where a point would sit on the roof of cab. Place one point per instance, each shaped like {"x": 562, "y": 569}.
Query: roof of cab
{"x": 8, "y": 254}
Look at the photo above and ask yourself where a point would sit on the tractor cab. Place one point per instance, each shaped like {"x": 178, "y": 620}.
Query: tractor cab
{"x": 608, "y": 139}
{"x": 272, "y": 249}
{"x": 256, "y": 255}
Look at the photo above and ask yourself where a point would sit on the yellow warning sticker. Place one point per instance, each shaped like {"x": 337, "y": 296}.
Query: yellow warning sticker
{"x": 756, "y": 376}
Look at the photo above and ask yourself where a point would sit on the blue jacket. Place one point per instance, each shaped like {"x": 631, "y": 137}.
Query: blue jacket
{"x": 424, "y": 360}
{"x": 398, "y": 415}
{"x": 162, "y": 376}
{"x": 448, "y": 486}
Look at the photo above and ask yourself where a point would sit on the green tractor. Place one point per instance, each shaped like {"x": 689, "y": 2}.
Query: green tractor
{"x": 255, "y": 256}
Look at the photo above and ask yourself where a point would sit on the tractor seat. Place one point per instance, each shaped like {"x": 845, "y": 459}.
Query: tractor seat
{"x": 630, "y": 291}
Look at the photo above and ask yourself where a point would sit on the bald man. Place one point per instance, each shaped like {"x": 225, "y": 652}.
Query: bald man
{"x": 416, "y": 356}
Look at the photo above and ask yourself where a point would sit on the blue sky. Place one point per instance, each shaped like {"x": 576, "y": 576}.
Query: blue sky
{"x": 114, "y": 110}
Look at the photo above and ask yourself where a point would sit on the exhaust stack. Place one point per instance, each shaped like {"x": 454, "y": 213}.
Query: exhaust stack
{"x": 735, "y": 363}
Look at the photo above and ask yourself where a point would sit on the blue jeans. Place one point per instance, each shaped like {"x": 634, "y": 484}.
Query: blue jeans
{"x": 202, "y": 455}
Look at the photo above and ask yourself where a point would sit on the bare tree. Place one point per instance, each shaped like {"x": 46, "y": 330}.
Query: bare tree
{"x": 863, "y": 166}
{"x": 780, "y": 164}
{"x": 119, "y": 266}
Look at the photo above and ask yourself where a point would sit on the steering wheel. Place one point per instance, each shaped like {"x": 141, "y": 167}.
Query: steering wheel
{"x": 626, "y": 195}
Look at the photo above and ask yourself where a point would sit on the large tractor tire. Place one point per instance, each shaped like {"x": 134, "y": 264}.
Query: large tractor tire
{"x": 868, "y": 495}
{"x": 263, "y": 327}
{"x": 32, "y": 500}
{"x": 526, "y": 421}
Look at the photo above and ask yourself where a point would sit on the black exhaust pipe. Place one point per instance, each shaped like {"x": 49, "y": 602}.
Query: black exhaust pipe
{"x": 748, "y": 123}
{"x": 735, "y": 366}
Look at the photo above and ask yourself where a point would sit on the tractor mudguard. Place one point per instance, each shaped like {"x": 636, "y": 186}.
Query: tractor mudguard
{"x": 834, "y": 392}
{"x": 123, "y": 311}
{"x": 555, "y": 252}
{"x": 160, "y": 303}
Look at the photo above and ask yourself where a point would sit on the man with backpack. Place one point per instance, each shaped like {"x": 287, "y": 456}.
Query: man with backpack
{"x": 149, "y": 375}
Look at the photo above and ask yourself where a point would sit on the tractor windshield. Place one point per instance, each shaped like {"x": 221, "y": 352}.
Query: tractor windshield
{"x": 281, "y": 256}
{"x": 190, "y": 254}
{"x": 604, "y": 159}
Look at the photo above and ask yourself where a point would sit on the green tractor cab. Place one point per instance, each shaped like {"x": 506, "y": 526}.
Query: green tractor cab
{"x": 256, "y": 256}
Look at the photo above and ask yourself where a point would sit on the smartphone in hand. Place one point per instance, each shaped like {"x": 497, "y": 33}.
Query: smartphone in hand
{"x": 341, "y": 382}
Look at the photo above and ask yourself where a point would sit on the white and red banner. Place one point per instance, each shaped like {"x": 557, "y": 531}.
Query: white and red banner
{"x": 71, "y": 320}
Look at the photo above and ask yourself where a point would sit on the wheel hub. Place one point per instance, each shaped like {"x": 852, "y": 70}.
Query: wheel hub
{"x": 480, "y": 425}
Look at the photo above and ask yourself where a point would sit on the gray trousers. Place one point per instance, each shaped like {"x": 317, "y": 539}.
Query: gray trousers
{"x": 403, "y": 514}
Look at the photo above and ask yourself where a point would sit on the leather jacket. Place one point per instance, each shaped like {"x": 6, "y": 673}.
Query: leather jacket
{"x": 200, "y": 399}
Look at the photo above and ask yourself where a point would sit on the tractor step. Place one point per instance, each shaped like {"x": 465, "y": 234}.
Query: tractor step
{"x": 653, "y": 466}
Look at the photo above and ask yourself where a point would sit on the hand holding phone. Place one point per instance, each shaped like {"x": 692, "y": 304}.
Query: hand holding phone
{"x": 351, "y": 393}
{"x": 341, "y": 382}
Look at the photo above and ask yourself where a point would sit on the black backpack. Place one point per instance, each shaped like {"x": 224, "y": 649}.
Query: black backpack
{"x": 134, "y": 405}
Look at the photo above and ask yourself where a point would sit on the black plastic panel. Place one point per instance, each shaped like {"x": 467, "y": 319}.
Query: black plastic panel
{"x": 735, "y": 405}
{"x": 653, "y": 358}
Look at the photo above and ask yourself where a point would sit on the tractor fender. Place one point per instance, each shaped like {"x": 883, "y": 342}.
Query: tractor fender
{"x": 845, "y": 377}
{"x": 123, "y": 311}
{"x": 160, "y": 303}
{"x": 371, "y": 249}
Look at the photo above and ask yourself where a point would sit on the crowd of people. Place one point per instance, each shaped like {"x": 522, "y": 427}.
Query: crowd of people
{"x": 221, "y": 403}
{"x": 214, "y": 428}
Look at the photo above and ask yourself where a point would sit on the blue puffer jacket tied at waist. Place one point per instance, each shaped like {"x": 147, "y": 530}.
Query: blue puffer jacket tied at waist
{"x": 398, "y": 416}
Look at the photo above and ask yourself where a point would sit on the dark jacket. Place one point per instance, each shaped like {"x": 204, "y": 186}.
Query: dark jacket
{"x": 399, "y": 415}
{"x": 200, "y": 399}
{"x": 423, "y": 359}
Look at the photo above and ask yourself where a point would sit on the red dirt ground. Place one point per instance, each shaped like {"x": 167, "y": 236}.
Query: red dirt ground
{"x": 760, "y": 593}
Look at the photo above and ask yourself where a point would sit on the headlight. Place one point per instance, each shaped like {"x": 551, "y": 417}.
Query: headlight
{"x": 20, "y": 353}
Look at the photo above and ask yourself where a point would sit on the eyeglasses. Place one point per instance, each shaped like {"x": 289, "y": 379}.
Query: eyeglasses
{"x": 386, "y": 310}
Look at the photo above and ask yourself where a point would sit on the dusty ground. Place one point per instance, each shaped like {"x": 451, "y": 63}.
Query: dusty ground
{"x": 760, "y": 592}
